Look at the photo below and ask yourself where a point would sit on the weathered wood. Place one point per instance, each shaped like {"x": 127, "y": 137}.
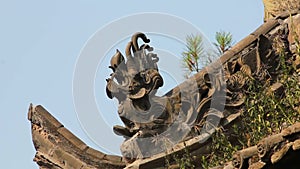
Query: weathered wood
{"x": 257, "y": 165}
{"x": 266, "y": 144}
{"x": 58, "y": 148}
{"x": 296, "y": 145}
{"x": 279, "y": 154}
{"x": 247, "y": 152}
{"x": 241, "y": 156}
{"x": 276, "y": 89}
{"x": 274, "y": 8}
{"x": 291, "y": 130}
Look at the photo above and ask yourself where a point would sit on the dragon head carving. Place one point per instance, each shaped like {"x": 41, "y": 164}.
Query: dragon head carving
{"x": 136, "y": 76}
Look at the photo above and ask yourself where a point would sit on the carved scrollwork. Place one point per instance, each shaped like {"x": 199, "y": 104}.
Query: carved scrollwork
{"x": 153, "y": 123}
{"x": 134, "y": 82}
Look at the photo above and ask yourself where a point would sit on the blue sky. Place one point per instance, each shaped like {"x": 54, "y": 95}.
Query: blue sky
{"x": 41, "y": 41}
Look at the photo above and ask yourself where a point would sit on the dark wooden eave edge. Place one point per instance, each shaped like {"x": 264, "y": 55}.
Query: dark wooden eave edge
{"x": 56, "y": 147}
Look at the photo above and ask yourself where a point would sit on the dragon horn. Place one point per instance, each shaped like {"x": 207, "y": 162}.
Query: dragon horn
{"x": 134, "y": 40}
{"x": 131, "y": 67}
